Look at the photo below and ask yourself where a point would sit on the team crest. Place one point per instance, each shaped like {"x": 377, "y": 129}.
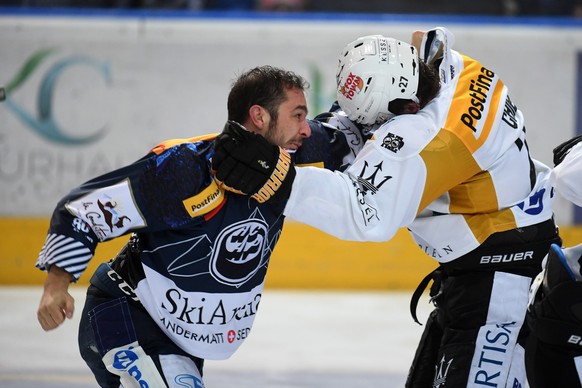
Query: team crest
{"x": 393, "y": 142}
{"x": 239, "y": 251}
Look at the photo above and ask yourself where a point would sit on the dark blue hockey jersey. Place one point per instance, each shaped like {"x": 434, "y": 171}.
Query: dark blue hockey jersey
{"x": 203, "y": 252}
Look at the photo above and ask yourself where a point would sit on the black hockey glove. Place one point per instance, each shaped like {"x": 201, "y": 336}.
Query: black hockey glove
{"x": 562, "y": 150}
{"x": 246, "y": 163}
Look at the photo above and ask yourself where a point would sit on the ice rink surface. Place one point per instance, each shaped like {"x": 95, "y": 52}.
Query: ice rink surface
{"x": 299, "y": 339}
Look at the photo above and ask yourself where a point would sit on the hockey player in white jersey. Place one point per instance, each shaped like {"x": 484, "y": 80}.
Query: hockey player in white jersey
{"x": 554, "y": 351}
{"x": 449, "y": 161}
{"x": 567, "y": 173}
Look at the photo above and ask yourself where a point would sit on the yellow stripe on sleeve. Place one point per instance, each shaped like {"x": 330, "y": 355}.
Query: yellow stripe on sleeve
{"x": 475, "y": 104}
{"x": 174, "y": 142}
{"x": 476, "y": 195}
{"x": 484, "y": 225}
{"x": 448, "y": 164}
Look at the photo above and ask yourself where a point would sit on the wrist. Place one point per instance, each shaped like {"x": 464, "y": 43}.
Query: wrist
{"x": 58, "y": 275}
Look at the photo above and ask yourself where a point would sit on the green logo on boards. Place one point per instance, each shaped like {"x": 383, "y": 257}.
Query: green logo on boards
{"x": 42, "y": 121}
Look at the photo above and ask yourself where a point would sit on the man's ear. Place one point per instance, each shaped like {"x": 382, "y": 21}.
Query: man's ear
{"x": 260, "y": 118}
{"x": 410, "y": 107}
{"x": 403, "y": 107}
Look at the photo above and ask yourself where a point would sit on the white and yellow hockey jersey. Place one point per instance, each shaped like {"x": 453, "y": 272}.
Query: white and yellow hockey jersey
{"x": 454, "y": 173}
{"x": 567, "y": 176}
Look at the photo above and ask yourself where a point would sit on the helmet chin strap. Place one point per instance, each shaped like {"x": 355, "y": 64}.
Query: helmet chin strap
{"x": 383, "y": 117}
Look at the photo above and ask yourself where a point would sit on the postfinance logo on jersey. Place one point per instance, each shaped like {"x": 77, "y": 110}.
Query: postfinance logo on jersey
{"x": 205, "y": 201}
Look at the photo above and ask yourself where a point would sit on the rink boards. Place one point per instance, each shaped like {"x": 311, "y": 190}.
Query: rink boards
{"x": 141, "y": 80}
{"x": 304, "y": 258}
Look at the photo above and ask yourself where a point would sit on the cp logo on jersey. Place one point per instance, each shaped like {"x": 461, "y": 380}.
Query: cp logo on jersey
{"x": 239, "y": 252}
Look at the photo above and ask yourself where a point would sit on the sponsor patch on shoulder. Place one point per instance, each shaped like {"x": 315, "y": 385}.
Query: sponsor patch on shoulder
{"x": 110, "y": 212}
{"x": 205, "y": 201}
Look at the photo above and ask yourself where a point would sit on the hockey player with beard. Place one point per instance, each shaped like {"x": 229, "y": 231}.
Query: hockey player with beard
{"x": 188, "y": 284}
{"x": 448, "y": 160}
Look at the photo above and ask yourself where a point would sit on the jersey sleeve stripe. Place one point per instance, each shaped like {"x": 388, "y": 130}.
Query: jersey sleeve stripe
{"x": 484, "y": 225}
{"x": 66, "y": 253}
{"x": 476, "y": 103}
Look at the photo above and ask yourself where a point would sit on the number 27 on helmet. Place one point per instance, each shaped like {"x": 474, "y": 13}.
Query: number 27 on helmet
{"x": 372, "y": 72}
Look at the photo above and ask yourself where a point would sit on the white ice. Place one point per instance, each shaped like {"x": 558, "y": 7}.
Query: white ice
{"x": 300, "y": 339}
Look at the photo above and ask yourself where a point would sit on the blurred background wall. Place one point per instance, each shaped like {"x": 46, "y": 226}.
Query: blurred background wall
{"x": 430, "y": 7}
{"x": 94, "y": 85}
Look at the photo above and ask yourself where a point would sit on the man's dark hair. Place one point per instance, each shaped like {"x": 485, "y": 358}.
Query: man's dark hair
{"x": 264, "y": 86}
{"x": 429, "y": 85}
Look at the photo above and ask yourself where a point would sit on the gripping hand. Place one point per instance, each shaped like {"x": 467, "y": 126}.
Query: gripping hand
{"x": 562, "y": 150}
{"x": 246, "y": 163}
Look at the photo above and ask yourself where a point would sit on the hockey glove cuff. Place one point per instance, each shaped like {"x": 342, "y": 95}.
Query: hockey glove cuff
{"x": 246, "y": 163}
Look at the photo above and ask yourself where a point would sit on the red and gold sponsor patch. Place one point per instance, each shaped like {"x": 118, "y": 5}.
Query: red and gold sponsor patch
{"x": 205, "y": 201}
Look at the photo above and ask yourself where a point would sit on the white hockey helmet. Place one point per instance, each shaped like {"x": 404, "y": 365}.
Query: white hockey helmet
{"x": 373, "y": 71}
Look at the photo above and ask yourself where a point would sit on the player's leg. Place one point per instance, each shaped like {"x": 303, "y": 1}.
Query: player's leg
{"x": 421, "y": 373}
{"x": 554, "y": 350}
{"x": 87, "y": 347}
{"x": 122, "y": 344}
{"x": 480, "y": 326}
